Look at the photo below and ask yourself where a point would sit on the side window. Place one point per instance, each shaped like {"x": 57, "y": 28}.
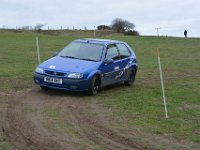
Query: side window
{"x": 123, "y": 50}
{"x": 112, "y": 52}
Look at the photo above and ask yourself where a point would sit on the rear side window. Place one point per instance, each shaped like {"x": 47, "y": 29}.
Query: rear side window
{"x": 112, "y": 52}
{"x": 123, "y": 50}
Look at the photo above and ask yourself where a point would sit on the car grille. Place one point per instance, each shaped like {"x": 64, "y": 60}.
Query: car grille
{"x": 55, "y": 73}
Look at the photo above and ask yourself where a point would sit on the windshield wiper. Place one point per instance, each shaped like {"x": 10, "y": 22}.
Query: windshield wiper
{"x": 78, "y": 58}
{"x": 69, "y": 57}
{"x": 88, "y": 59}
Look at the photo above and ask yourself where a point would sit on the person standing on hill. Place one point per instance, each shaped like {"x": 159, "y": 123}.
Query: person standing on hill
{"x": 185, "y": 33}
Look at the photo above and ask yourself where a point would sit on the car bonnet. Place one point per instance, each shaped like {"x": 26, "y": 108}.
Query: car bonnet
{"x": 69, "y": 64}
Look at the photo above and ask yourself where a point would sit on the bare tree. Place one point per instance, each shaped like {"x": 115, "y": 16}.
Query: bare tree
{"x": 121, "y": 25}
{"x": 39, "y": 27}
{"x": 128, "y": 25}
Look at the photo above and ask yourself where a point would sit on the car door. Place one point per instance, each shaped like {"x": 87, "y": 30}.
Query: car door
{"x": 125, "y": 59}
{"x": 111, "y": 70}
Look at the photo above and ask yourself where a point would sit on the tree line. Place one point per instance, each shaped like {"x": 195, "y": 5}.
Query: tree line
{"x": 121, "y": 26}
{"x": 118, "y": 25}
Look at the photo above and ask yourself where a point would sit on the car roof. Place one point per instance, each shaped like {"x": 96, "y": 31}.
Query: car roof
{"x": 98, "y": 41}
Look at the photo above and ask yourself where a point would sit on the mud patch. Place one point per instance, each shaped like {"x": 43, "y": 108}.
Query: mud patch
{"x": 49, "y": 120}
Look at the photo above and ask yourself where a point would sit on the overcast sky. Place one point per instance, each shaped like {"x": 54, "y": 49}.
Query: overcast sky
{"x": 172, "y": 16}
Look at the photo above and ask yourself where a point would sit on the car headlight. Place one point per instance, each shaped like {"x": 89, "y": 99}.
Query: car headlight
{"x": 75, "y": 75}
{"x": 39, "y": 70}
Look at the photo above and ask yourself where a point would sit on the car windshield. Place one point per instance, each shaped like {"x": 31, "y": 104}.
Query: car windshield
{"x": 84, "y": 51}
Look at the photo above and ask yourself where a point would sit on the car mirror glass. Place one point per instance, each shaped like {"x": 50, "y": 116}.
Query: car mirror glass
{"x": 109, "y": 61}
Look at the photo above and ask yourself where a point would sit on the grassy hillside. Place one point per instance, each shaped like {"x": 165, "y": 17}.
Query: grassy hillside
{"x": 141, "y": 106}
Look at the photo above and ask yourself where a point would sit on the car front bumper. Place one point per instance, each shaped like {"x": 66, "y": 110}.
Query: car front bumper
{"x": 67, "y": 84}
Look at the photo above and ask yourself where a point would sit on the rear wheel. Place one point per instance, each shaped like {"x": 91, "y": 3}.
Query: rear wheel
{"x": 94, "y": 85}
{"x": 131, "y": 78}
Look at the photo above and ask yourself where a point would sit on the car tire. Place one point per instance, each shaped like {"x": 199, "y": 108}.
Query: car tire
{"x": 131, "y": 78}
{"x": 94, "y": 85}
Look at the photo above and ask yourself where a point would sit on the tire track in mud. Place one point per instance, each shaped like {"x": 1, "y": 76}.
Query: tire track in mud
{"x": 28, "y": 129}
{"x": 21, "y": 129}
{"x": 98, "y": 133}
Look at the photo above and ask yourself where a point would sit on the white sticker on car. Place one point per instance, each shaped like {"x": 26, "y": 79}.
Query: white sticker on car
{"x": 52, "y": 67}
{"x": 116, "y": 68}
{"x": 119, "y": 75}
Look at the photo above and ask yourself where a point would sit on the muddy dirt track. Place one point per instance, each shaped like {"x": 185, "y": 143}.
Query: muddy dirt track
{"x": 56, "y": 120}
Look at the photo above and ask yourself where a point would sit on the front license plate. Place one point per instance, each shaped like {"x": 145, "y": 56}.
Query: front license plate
{"x": 53, "y": 80}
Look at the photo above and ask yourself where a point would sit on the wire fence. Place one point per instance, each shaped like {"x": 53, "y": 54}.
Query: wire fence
{"x": 44, "y": 27}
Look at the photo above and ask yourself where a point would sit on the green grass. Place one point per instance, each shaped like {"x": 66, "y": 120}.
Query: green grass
{"x": 141, "y": 105}
{"x": 4, "y": 145}
{"x": 54, "y": 121}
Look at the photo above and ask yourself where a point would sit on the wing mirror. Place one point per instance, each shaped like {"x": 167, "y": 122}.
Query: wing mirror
{"x": 109, "y": 61}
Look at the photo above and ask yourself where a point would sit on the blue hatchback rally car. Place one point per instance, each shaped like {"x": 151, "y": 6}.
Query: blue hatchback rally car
{"x": 88, "y": 65}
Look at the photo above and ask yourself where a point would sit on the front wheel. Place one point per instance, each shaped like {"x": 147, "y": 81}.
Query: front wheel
{"x": 131, "y": 78}
{"x": 94, "y": 85}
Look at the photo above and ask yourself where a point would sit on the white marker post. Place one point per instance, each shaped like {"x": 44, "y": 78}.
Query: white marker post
{"x": 38, "y": 49}
{"x": 94, "y": 32}
{"x": 162, "y": 82}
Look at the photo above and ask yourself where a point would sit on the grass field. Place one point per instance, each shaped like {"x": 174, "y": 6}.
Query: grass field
{"x": 140, "y": 106}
